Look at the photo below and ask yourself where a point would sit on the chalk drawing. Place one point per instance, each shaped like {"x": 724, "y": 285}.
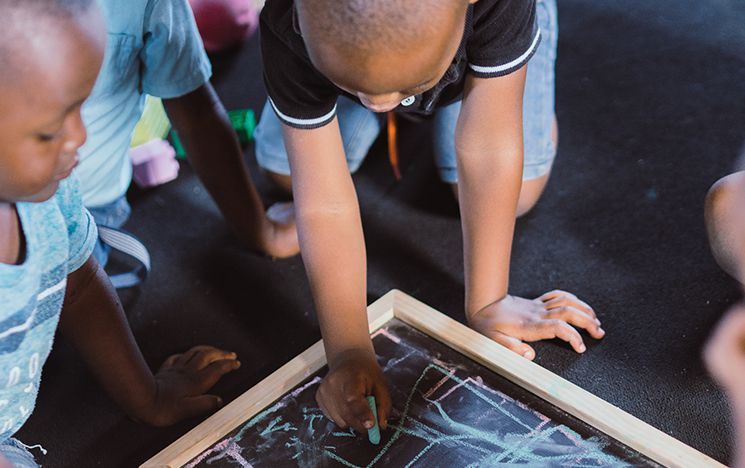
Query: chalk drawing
{"x": 447, "y": 418}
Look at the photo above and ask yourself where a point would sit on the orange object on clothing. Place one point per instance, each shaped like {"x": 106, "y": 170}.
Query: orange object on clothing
{"x": 392, "y": 151}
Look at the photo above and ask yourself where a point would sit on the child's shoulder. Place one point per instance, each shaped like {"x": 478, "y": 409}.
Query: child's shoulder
{"x": 59, "y": 232}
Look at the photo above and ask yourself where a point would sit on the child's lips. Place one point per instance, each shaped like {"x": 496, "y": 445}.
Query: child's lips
{"x": 66, "y": 173}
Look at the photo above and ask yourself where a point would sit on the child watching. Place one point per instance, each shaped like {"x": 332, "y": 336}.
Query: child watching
{"x": 51, "y": 52}
{"x": 154, "y": 48}
{"x": 384, "y": 56}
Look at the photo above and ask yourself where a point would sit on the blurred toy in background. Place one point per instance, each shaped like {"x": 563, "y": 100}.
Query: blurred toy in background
{"x": 153, "y": 158}
{"x": 243, "y": 122}
{"x": 225, "y": 23}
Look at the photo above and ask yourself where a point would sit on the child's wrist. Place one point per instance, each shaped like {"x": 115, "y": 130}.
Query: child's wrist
{"x": 362, "y": 352}
{"x": 473, "y": 308}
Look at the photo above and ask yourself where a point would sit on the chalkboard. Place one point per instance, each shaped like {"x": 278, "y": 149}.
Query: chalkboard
{"x": 448, "y": 411}
{"x": 460, "y": 399}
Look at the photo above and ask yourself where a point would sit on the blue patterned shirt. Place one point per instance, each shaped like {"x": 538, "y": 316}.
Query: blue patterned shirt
{"x": 60, "y": 235}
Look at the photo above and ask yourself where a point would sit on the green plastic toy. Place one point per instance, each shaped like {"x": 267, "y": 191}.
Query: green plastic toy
{"x": 243, "y": 122}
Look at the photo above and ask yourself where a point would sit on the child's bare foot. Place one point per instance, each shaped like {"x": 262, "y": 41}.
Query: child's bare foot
{"x": 280, "y": 233}
{"x": 182, "y": 383}
{"x": 513, "y": 320}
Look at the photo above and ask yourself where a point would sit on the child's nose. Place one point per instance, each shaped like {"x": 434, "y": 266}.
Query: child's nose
{"x": 76, "y": 134}
{"x": 381, "y": 102}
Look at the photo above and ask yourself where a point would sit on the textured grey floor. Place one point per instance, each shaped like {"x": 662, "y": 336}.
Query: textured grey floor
{"x": 651, "y": 105}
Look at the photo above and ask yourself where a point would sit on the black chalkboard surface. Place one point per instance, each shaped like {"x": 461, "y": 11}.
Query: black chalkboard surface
{"x": 449, "y": 411}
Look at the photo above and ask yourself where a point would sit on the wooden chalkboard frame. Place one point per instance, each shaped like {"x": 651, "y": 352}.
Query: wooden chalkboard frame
{"x": 561, "y": 393}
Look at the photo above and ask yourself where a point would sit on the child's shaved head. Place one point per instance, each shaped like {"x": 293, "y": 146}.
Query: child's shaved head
{"x": 50, "y": 54}
{"x": 22, "y": 20}
{"x": 357, "y": 43}
{"x": 364, "y": 25}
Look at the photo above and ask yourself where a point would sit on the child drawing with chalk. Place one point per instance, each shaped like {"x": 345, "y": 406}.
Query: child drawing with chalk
{"x": 51, "y": 52}
{"x": 464, "y": 62}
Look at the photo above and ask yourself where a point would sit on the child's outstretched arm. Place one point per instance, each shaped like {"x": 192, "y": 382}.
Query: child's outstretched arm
{"x": 213, "y": 150}
{"x": 93, "y": 319}
{"x": 333, "y": 249}
{"x": 490, "y": 155}
{"x": 725, "y": 358}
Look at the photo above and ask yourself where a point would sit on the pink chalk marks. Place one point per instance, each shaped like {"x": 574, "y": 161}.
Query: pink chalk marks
{"x": 448, "y": 411}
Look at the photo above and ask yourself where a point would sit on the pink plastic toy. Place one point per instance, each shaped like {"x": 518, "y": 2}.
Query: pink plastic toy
{"x": 153, "y": 163}
{"x": 224, "y": 23}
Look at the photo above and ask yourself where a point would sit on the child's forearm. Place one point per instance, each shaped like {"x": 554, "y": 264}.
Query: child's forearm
{"x": 331, "y": 238}
{"x": 488, "y": 195}
{"x": 489, "y": 146}
{"x": 334, "y": 257}
{"x": 215, "y": 154}
{"x": 93, "y": 320}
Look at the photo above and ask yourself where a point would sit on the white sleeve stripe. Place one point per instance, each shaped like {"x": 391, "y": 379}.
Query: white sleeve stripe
{"x": 303, "y": 122}
{"x": 507, "y": 66}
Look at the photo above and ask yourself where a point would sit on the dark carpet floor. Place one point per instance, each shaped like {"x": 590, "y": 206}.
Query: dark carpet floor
{"x": 651, "y": 108}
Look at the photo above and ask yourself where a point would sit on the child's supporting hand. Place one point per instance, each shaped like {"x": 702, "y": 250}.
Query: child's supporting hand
{"x": 725, "y": 354}
{"x": 513, "y": 320}
{"x": 342, "y": 393}
{"x": 182, "y": 382}
{"x": 725, "y": 357}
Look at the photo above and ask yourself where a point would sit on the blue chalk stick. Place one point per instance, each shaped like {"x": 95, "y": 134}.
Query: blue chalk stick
{"x": 373, "y": 433}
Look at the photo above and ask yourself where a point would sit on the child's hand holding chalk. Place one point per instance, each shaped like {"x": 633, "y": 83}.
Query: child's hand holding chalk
{"x": 344, "y": 394}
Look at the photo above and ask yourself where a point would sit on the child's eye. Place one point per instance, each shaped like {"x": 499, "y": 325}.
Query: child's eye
{"x": 47, "y": 137}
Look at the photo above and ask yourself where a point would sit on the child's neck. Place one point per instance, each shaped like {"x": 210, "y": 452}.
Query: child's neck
{"x": 11, "y": 235}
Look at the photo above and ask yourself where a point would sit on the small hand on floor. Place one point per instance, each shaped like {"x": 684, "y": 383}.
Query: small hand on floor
{"x": 514, "y": 320}
{"x": 725, "y": 354}
{"x": 182, "y": 383}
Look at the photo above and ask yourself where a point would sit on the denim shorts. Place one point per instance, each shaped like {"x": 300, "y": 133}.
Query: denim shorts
{"x": 360, "y": 127}
{"x": 114, "y": 215}
{"x": 18, "y": 454}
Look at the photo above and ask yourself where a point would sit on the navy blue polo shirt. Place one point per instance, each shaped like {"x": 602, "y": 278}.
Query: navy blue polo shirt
{"x": 499, "y": 37}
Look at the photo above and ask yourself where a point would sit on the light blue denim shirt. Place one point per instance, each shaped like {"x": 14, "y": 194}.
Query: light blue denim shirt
{"x": 60, "y": 235}
{"x": 153, "y": 48}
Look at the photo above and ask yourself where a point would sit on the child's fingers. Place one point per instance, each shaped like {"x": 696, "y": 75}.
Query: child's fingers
{"x": 329, "y": 411}
{"x": 546, "y": 329}
{"x": 552, "y": 295}
{"x": 170, "y": 361}
{"x": 206, "y": 356}
{"x": 208, "y": 376}
{"x": 184, "y": 358}
{"x": 383, "y": 403}
{"x": 353, "y": 406}
{"x": 190, "y": 407}
{"x": 514, "y": 345}
{"x": 571, "y": 301}
{"x": 725, "y": 349}
{"x": 577, "y": 318}
{"x": 356, "y": 411}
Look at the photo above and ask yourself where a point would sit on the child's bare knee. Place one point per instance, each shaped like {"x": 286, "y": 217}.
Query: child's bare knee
{"x": 722, "y": 213}
{"x": 530, "y": 194}
{"x": 721, "y": 200}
